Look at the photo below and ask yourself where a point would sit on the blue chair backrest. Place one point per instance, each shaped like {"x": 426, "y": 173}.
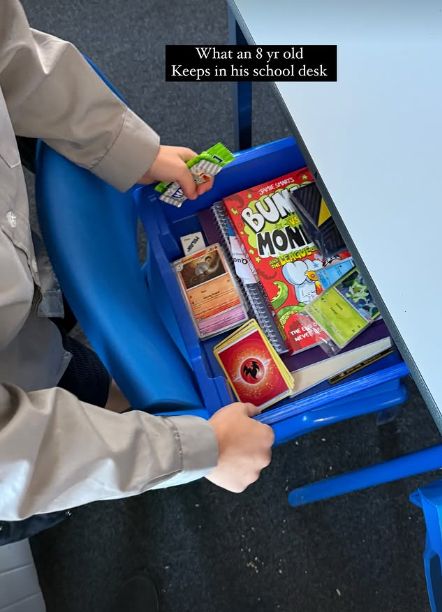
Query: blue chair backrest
{"x": 90, "y": 232}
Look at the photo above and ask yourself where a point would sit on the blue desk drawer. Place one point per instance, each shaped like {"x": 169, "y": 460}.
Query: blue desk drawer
{"x": 165, "y": 224}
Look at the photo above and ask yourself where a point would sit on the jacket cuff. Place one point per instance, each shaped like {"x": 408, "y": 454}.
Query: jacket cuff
{"x": 198, "y": 448}
{"x": 132, "y": 153}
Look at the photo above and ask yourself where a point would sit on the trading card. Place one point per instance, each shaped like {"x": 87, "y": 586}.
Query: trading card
{"x": 353, "y": 288}
{"x": 192, "y": 243}
{"x": 253, "y": 368}
{"x": 211, "y": 291}
{"x": 345, "y": 309}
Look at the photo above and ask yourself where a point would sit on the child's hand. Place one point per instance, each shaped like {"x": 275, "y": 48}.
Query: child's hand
{"x": 244, "y": 447}
{"x": 170, "y": 165}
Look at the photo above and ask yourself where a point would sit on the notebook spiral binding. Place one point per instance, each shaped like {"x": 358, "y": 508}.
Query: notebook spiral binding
{"x": 254, "y": 293}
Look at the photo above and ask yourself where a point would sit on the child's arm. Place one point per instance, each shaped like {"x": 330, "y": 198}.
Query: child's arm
{"x": 52, "y": 93}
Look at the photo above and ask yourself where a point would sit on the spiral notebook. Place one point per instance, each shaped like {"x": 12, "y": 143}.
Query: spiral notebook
{"x": 222, "y": 231}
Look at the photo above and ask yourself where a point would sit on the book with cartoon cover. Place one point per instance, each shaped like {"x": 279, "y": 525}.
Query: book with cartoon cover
{"x": 283, "y": 255}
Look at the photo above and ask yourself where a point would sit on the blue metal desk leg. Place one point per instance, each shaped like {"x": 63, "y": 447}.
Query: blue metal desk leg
{"x": 402, "y": 467}
{"x": 433, "y": 576}
{"x": 242, "y": 94}
{"x": 429, "y": 499}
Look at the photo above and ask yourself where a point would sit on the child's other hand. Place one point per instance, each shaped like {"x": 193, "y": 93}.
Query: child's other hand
{"x": 244, "y": 447}
{"x": 170, "y": 165}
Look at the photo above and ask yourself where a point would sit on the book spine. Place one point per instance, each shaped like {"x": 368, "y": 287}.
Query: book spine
{"x": 254, "y": 293}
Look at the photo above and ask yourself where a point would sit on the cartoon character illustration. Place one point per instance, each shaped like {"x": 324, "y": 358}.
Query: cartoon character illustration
{"x": 354, "y": 289}
{"x": 302, "y": 275}
{"x": 313, "y": 277}
{"x": 202, "y": 269}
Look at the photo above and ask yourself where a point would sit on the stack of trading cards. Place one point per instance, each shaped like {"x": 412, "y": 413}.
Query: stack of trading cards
{"x": 253, "y": 368}
{"x": 344, "y": 310}
{"x": 211, "y": 292}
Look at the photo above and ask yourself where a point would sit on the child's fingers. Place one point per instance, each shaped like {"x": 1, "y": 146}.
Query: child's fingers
{"x": 187, "y": 184}
{"x": 185, "y": 153}
{"x": 206, "y": 186}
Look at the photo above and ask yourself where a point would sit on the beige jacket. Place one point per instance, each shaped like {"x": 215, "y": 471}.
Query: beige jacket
{"x": 55, "y": 451}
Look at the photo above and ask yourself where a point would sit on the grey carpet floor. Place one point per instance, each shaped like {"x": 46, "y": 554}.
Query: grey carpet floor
{"x": 211, "y": 551}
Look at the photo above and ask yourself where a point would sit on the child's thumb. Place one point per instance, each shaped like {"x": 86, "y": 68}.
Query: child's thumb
{"x": 251, "y": 410}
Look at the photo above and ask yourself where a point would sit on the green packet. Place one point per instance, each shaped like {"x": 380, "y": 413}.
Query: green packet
{"x": 219, "y": 155}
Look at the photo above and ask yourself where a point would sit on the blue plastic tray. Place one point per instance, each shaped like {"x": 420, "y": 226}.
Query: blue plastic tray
{"x": 375, "y": 388}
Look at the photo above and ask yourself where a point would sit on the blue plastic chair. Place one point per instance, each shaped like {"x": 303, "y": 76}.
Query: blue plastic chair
{"x": 429, "y": 499}
{"x": 90, "y": 232}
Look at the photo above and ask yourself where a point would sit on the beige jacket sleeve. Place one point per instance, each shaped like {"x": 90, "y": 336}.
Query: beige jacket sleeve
{"x": 52, "y": 93}
{"x": 55, "y": 451}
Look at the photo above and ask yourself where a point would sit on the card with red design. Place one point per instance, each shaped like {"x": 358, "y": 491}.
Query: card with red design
{"x": 253, "y": 368}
